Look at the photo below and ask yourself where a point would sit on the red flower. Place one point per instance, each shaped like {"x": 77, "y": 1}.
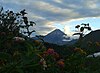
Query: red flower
{"x": 50, "y": 51}
{"x": 56, "y": 55}
{"x": 44, "y": 54}
{"x": 61, "y": 63}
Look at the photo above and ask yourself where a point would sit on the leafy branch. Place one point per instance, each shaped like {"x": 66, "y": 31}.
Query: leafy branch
{"x": 81, "y": 28}
{"x": 14, "y": 22}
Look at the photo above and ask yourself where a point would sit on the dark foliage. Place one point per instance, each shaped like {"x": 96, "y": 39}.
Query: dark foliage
{"x": 12, "y": 22}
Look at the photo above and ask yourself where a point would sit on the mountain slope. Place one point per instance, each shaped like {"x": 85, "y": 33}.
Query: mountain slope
{"x": 93, "y": 36}
{"x": 56, "y": 37}
{"x": 89, "y": 41}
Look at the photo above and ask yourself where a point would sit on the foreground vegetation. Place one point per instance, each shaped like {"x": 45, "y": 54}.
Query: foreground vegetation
{"x": 20, "y": 55}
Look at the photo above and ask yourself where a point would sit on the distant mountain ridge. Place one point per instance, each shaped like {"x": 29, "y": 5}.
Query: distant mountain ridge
{"x": 57, "y": 37}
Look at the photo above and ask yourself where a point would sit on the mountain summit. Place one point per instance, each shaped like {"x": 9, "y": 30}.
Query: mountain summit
{"x": 57, "y": 37}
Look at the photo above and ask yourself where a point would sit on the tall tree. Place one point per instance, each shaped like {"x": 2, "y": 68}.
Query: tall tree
{"x": 13, "y": 22}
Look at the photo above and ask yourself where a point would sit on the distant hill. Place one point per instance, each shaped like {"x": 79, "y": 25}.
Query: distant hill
{"x": 90, "y": 40}
{"x": 93, "y": 36}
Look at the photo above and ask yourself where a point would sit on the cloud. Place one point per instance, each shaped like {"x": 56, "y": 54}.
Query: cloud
{"x": 48, "y": 12}
{"x": 18, "y": 2}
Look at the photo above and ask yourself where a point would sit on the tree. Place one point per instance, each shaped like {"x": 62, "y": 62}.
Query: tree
{"x": 81, "y": 29}
{"x": 14, "y": 22}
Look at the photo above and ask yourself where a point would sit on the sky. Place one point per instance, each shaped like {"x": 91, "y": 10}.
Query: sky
{"x": 57, "y": 14}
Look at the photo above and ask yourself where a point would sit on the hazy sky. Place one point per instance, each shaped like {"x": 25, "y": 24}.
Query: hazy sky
{"x": 61, "y": 14}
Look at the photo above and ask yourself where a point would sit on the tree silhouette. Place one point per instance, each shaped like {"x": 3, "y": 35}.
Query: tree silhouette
{"x": 81, "y": 29}
{"x": 13, "y": 22}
